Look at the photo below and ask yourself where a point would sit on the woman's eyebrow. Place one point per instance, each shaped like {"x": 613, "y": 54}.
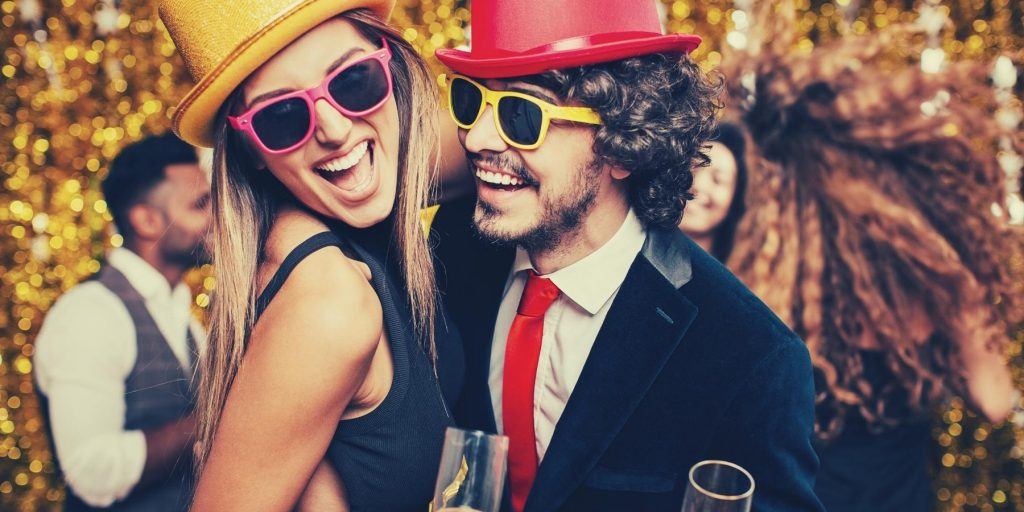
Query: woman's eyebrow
{"x": 341, "y": 60}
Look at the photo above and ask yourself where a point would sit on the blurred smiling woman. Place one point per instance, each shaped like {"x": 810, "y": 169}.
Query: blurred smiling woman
{"x": 719, "y": 189}
{"x": 323, "y": 343}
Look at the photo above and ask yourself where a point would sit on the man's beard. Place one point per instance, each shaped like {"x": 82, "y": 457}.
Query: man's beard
{"x": 187, "y": 254}
{"x": 560, "y": 215}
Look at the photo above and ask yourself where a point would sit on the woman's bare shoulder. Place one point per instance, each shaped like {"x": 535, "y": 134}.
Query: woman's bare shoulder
{"x": 327, "y": 296}
{"x": 326, "y": 306}
{"x": 291, "y": 228}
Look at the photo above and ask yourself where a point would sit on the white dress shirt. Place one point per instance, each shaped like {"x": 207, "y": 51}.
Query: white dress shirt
{"x": 84, "y": 352}
{"x": 588, "y": 288}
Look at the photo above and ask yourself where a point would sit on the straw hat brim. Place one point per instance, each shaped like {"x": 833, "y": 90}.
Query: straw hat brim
{"x": 194, "y": 117}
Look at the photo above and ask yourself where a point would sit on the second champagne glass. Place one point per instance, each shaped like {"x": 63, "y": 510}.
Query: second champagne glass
{"x": 718, "y": 486}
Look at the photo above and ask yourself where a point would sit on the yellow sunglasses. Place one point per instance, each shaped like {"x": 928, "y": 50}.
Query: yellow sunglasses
{"x": 522, "y": 120}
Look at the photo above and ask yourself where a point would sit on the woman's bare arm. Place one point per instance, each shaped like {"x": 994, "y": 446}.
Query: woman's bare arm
{"x": 989, "y": 383}
{"x": 987, "y": 378}
{"x": 307, "y": 357}
{"x": 324, "y": 492}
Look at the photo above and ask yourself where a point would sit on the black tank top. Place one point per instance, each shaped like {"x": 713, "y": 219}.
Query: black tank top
{"x": 388, "y": 459}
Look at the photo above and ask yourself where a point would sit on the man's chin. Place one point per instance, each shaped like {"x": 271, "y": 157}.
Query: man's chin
{"x": 491, "y": 233}
{"x": 501, "y": 234}
{"x": 196, "y": 260}
{"x": 491, "y": 227}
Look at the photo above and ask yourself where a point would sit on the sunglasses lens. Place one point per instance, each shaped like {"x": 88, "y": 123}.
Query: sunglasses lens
{"x": 520, "y": 119}
{"x": 283, "y": 124}
{"x": 465, "y": 101}
{"x": 360, "y": 87}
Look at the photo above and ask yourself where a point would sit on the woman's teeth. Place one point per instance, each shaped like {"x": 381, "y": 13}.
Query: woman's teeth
{"x": 345, "y": 162}
{"x": 348, "y": 172}
{"x": 495, "y": 178}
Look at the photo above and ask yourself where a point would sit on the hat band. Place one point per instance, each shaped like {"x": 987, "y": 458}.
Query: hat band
{"x": 575, "y": 43}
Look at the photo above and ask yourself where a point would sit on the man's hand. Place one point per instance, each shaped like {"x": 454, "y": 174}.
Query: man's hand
{"x": 167, "y": 446}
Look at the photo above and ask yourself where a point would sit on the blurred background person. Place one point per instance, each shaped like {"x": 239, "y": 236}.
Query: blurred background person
{"x": 116, "y": 357}
{"x": 711, "y": 217}
{"x": 870, "y": 232}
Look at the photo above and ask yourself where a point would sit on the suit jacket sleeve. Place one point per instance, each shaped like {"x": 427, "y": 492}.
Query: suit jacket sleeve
{"x": 768, "y": 429}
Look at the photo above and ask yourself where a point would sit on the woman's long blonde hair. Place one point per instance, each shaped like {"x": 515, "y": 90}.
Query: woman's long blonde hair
{"x": 246, "y": 200}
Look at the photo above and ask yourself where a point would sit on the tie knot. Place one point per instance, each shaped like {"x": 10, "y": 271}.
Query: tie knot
{"x": 540, "y": 293}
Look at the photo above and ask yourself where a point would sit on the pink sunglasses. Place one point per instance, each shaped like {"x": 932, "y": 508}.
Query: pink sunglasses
{"x": 286, "y": 122}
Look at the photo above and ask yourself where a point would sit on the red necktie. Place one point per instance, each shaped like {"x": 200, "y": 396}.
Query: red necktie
{"x": 521, "y": 354}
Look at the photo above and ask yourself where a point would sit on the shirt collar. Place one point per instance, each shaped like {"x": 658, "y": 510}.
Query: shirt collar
{"x": 148, "y": 281}
{"x": 591, "y": 281}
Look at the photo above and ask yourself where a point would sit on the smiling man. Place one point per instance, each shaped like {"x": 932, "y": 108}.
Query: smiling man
{"x": 611, "y": 350}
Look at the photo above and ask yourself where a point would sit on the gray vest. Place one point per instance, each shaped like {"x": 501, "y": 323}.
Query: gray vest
{"x": 157, "y": 392}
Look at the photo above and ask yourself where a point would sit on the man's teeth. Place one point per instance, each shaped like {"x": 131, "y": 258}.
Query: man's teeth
{"x": 347, "y": 161}
{"x": 496, "y": 178}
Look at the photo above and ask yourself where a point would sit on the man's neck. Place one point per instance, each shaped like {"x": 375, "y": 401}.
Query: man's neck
{"x": 599, "y": 226}
{"x": 173, "y": 273}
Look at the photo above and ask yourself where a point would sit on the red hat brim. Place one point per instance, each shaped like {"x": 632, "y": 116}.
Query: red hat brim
{"x": 540, "y": 61}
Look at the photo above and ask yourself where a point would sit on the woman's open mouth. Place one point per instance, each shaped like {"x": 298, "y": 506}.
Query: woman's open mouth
{"x": 353, "y": 172}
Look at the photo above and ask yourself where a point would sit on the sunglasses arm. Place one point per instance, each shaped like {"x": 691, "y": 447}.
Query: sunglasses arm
{"x": 576, "y": 114}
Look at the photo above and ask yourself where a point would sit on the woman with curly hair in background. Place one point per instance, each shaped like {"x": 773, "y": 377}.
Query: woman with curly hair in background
{"x": 871, "y": 232}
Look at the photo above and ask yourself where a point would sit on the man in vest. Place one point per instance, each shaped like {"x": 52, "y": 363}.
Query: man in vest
{"x": 116, "y": 357}
{"x": 611, "y": 350}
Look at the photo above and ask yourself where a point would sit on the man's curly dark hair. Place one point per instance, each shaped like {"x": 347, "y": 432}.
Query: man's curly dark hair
{"x": 658, "y": 112}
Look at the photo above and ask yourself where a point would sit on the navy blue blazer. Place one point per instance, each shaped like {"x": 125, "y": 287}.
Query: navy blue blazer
{"x": 689, "y": 365}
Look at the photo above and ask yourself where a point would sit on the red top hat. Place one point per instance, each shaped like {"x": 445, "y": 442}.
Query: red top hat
{"x": 527, "y": 37}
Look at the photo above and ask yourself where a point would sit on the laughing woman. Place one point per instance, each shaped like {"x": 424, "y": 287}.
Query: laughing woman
{"x": 323, "y": 344}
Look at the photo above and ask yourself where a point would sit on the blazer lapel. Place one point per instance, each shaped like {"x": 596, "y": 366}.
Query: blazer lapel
{"x": 643, "y": 329}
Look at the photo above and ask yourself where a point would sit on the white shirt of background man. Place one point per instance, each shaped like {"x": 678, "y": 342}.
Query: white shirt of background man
{"x": 85, "y": 351}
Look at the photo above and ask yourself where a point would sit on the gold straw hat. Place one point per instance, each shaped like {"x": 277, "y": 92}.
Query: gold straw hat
{"x": 223, "y": 42}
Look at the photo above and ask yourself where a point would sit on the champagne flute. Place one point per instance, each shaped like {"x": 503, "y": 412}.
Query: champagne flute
{"x": 718, "y": 486}
{"x": 471, "y": 476}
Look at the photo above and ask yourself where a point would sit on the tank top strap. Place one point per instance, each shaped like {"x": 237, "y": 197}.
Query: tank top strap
{"x": 299, "y": 253}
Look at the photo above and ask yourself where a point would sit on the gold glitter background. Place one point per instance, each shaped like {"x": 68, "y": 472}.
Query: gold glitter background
{"x": 71, "y": 97}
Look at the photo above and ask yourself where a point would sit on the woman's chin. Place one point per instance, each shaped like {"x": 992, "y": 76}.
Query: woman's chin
{"x": 700, "y": 224}
{"x": 365, "y": 215}
{"x": 695, "y": 228}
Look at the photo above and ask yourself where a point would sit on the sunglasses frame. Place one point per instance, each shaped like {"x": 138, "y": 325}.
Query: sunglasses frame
{"x": 490, "y": 97}
{"x": 244, "y": 123}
